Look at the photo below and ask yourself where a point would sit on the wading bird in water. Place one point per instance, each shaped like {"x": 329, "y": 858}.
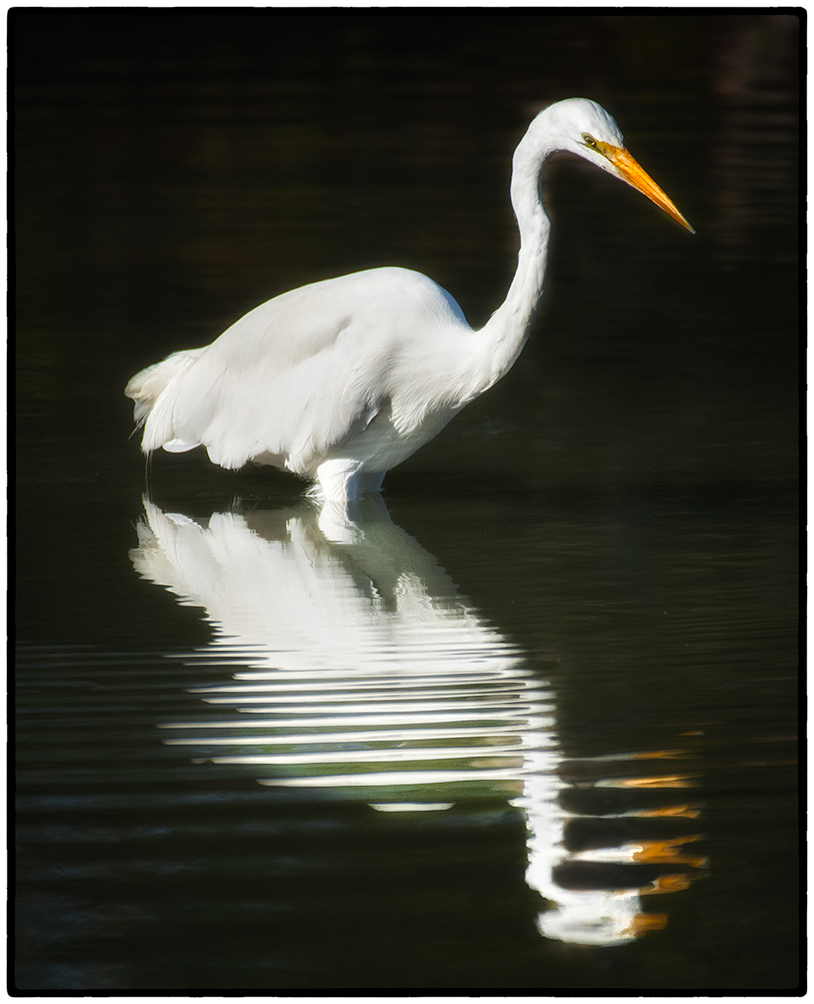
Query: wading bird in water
{"x": 340, "y": 380}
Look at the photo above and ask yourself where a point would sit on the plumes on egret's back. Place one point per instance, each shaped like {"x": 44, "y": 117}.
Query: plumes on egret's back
{"x": 341, "y": 380}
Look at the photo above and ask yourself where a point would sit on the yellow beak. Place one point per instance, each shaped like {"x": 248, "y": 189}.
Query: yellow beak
{"x": 634, "y": 175}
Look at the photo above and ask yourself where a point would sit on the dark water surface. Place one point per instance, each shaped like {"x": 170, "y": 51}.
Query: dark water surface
{"x": 530, "y": 722}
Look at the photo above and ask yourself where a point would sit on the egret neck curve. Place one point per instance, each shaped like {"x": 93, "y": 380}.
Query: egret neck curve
{"x": 506, "y": 331}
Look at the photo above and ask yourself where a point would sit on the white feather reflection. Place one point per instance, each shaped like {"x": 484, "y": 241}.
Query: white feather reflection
{"x": 361, "y": 670}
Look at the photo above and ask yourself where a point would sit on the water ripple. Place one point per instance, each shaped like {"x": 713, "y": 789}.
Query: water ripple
{"x": 361, "y": 673}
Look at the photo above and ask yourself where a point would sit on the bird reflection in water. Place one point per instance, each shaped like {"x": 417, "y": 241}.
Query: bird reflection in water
{"x": 362, "y": 673}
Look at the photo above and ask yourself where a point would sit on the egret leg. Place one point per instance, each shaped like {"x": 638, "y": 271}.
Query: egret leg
{"x": 339, "y": 521}
{"x": 339, "y": 480}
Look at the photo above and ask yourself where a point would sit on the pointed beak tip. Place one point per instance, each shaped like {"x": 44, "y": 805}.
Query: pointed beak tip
{"x": 631, "y": 171}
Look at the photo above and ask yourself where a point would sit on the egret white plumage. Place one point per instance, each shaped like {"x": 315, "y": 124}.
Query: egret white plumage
{"x": 341, "y": 380}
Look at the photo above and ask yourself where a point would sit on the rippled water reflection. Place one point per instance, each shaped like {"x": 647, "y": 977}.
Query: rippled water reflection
{"x": 365, "y": 674}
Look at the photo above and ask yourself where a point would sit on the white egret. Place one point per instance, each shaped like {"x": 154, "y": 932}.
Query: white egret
{"x": 343, "y": 379}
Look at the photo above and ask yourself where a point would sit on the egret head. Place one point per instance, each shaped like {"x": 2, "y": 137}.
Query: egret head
{"x": 583, "y": 127}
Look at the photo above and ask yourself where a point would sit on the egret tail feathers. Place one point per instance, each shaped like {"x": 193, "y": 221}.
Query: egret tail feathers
{"x": 147, "y": 386}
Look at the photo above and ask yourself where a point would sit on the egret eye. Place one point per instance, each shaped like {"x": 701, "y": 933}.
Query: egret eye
{"x": 589, "y": 141}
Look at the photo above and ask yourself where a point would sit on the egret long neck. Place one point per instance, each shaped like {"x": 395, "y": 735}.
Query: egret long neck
{"x": 507, "y": 329}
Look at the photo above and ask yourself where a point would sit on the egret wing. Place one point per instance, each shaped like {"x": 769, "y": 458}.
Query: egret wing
{"x": 298, "y": 374}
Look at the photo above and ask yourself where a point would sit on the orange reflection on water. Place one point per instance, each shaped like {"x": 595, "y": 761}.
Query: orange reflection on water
{"x": 672, "y": 883}
{"x": 660, "y": 851}
{"x": 643, "y": 923}
{"x": 672, "y": 811}
{"x": 663, "y": 781}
